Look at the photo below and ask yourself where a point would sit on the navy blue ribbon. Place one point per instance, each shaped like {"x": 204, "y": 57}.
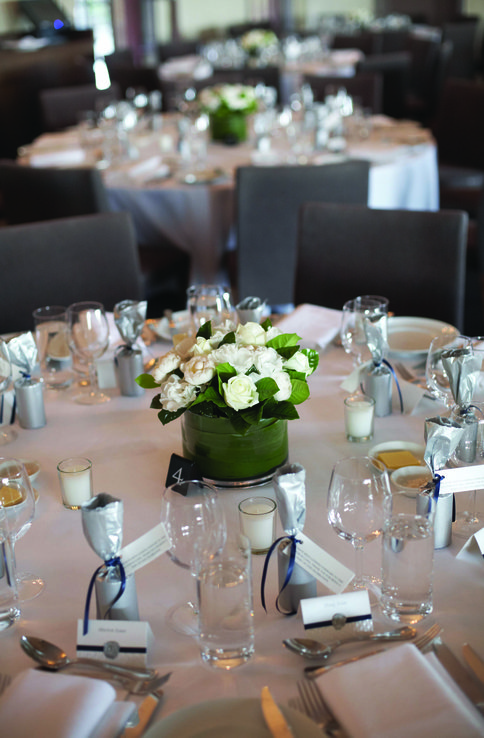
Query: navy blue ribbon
{"x": 115, "y": 561}
{"x": 292, "y": 560}
{"x": 26, "y": 375}
{"x": 387, "y": 363}
{"x": 437, "y": 480}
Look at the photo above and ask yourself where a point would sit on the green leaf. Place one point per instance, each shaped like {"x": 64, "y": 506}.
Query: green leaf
{"x": 287, "y": 352}
{"x": 209, "y": 394}
{"x": 300, "y": 391}
{"x": 205, "y": 330}
{"x": 284, "y": 340}
{"x": 156, "y": 403}
{"x": 267, "y": 324}
{"x": 225, "y": 371}
{"x": 266, "y": 387}
{"x": 228, "y": 338}
{"x": 166, "y": 417}
{"x": 282, "y": 410}
{"x": 253, "y": 415}
{"x": 313, "y": 358}
{"x": 147, "y": 381}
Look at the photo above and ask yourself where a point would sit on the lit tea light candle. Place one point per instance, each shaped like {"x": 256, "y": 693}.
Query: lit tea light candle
{"x": 75, "y": 477}
{"x": 257, "y": 517}
{"x": 359, "y": 415}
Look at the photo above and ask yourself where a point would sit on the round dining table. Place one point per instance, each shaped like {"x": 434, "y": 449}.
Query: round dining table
{"x": 130, "y": 452}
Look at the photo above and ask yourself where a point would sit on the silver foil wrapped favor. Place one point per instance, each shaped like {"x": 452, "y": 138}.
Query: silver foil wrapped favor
{"x": 375, "y": 376}
{"x": 29, "y": 390}
{"x": 129, "y": 317}
{"x": 462, "y": 367}
{"x": 116, "y": 597}
{"x": 290, "y": 489}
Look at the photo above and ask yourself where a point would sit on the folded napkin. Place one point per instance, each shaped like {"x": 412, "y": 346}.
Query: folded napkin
{"x": 399, "y": 693}
{"x": 190, "y": 65}
{"x": 59, "y": 158}
{"x": 60, "y": 706}
{"x": 316, "y": 325}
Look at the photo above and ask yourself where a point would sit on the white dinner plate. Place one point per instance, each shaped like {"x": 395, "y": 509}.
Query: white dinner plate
{"x": 228, "y": 718}
{"x": 410, "y": 338}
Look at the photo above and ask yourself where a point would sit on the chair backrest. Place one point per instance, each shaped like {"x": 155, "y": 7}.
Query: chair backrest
{"x": 61, "y": 106}
{"x": 367, "y": 89}
{"x": 395, "y": 70}
{"x": 459, "y": 123}
{"x": 268, "y": 202}
{"x": 58, "y": 262}
{"x": 415, "y": 258}
{"x": 365, "y": 41}
{"x": 29, "y": 194}
{"x": 463, "y": 36}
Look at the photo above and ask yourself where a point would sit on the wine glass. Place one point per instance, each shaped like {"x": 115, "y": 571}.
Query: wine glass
{"x": 195, "y": 525}
{"x": 352, "y": 331}
{"x": 435, "y": 376}
{"x": 7, "y": 434}
{"x": 208, "y": 302}
{"x": 356, "y": 495}
{"x": 9, "y": 612}
{"x": 18, "y": 499}
{"x": 89, "y": 339}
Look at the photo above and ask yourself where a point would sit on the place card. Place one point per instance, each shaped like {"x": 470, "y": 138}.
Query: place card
{"x": 473, "y": 549}
{"x": 145, "y": 549}
{"x": 124, "y": 642}
{"x": 462, "y": 479}
{"x": 324, "y": 567}
{"x": 336, "y": 610}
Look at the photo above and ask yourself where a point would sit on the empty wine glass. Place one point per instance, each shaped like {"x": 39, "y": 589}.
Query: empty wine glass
{"x": 195, "y": 525}
{"x": 209, "y": 302}
{"x": 435, "y": 376}
{"x": 89, "y": 339}
{"x": 356, "y": 495}
{"x": 7, "y": 434}
{"x": 9, "y": 611}
{"x": 18, "y": 499}
{"x": 352, "y": 331}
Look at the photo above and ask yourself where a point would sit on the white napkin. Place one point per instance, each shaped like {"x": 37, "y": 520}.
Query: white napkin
{"x": 315, "y": 324}
{"x": 58, "y": 706}
{"x": 148, "y": 169}
{"x": 61, "y": 157}
{"x": 399, "y": 693}
{"x": 190, "y": 65}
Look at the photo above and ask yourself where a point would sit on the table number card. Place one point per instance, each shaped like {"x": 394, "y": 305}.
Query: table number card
{"x": 181, "y": 470}
{"x": 336, "y": 610}
{"x": 473, "y": 549}
{"x": 324, "y": 567}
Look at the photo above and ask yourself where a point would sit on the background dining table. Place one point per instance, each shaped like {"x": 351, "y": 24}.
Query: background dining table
{"x": 130, "y": 452}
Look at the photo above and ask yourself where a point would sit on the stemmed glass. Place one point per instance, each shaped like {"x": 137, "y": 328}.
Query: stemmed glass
{"x": 195, "y": 525}
{"x": 89, "y": 339}
{"x": 356, "y": 495}
{"x": 7, "y": 434}
{"x": 209, "y": 302}
{"x": 18, "y": 499}
{"x": 435, "y": 376}
{"x": 352, "y": 331}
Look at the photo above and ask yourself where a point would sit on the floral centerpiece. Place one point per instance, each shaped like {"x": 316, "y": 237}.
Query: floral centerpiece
{"x": 258, "y": 39}
{"x": 228, "y": 107}
{"x": 236, "y": 390}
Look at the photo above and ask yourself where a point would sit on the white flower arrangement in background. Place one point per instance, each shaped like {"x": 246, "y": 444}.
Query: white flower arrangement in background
{"x": 258, "y": 39}
{"x": 249, "y": 374}
{"x": 226, "y": 99}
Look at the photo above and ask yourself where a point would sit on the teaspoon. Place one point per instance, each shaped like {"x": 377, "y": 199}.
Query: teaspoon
{"x": 52, "y": 657}
{"x": 311, "y": 649}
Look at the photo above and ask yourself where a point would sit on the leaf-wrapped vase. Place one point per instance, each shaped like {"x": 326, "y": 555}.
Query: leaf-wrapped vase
{"x": 230, "y": 458}
{"x": 230, "y": 128}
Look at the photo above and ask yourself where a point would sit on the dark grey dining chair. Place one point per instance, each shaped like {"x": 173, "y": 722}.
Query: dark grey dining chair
{"x": 417, "y": 259}
{"x": 58, "y": 262}
{"x": 366, "y": 89}
{"x": 61, "y": 106}
{"x": 268, "y": 201}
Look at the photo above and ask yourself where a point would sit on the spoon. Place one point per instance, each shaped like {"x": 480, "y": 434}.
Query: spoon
{"x": 311, "y": 649}
{"x": 52, "y": 657}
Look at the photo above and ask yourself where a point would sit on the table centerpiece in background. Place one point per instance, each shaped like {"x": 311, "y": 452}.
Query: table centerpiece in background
{"x": 228, "y": 107}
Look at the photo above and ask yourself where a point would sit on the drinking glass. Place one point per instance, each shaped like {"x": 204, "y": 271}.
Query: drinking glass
{"x": 52, "y": 338}
{"x": 352, "y": 331}
{"x": 195, "y": 525}
{"x": 209, "y": 302}
{"x": 18, "y": 499}
{"x": 7, "y": 433}
{"x": 9, "y": 611}
{"x": 435, "y": 376}
{"x": 89, "y": 339}
{"x": 357, "y": 492}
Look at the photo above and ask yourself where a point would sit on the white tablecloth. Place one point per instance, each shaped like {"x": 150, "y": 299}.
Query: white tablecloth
{"x": 130, "y": 451}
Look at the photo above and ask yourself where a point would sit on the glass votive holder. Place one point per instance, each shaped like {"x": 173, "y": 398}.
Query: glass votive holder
{"x": 359, "y": 416}
{"x": 257, "y": 517}
{"x": 75, "y": 477}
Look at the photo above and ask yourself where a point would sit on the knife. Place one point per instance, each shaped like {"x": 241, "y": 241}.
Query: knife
{"x": 145, "y": 713}
{"x": 473, "y": 690}
{"x": 275, "y": 720}
{"x": 474, "y": 661}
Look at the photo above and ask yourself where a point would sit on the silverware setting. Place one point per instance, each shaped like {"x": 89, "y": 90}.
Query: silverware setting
{"x": 312, "y": 649}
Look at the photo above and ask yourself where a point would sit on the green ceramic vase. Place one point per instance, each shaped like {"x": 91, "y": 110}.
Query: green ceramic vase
{"x": 230, "y": 128}
{"x": 232, "y": 458}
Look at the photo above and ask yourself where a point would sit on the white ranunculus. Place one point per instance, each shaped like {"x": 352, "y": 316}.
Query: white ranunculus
{"x": 267, "y": 361}
{"x": 299, "y": 362}
{"x": 251, "y": 334}
{"x": 198, "y": 370}
{"x": 272, "y": 333}
{"x": 165, "y": 364}
{"x": 240, "y": 357}
{"x": 283, "y": 381}
{"x": 175, "y": 394}
{"x": 202, "y": 346}
{"x": 240, "y": 392}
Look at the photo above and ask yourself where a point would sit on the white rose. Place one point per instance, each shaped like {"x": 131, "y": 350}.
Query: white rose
{"x": 251, "y": 334}
{"x": 267, "y": 361}
{"x": 165, "y": 364}
{"x": 198, "y": 370}
{"x": 240, "y": 392}
{"x": 240, "y": 357}
{"x": 202, "y": 346}
{"x": 176, "y": 394}
{"x": 299, "y": 362}
{"x": 272, "y": 333}
{"x": 283, "y": 381}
